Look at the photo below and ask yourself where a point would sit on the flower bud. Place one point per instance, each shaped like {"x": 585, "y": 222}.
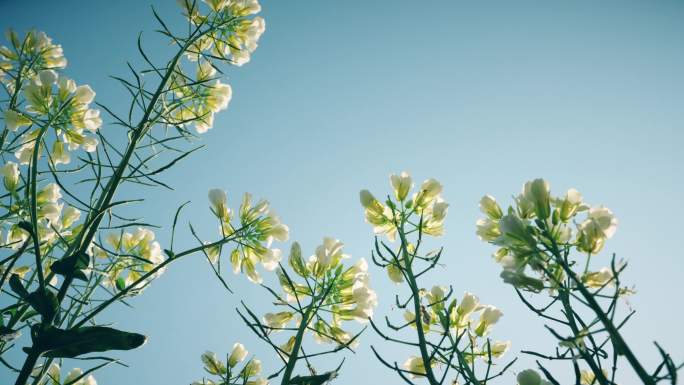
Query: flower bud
{"x": 490, "y": 315}
{"x": 49, "y": 193}
{"x": 237, "y": 355}
{"x": 253, "y": 368}
{"x": 278, "y": 320}
{"x": 218, "y": 200}
{"x": 522, "y": 281}
{"x": 297, "y": 262}
{"x": 415, "y": 365}
{"x": 10, "y": 173}
{"x": 487, "y": 229}
{"x": 468, "y": 304}
{"x": 439, "y": 211}
{"x": 394, "y": 274}
{"x": 212, "y": 364}
{"x": 538, "y": 192}
{"x": 84, "y": 94}
{"x": 367, "y": 199}
{"x": 489, "y": 207}
{"x": 570, "y": 204}
{"x": 70, "y": 215}
{"x": 429, "y": 190}
{"x": 529, "y": 377}
{"x": 402, "y": 184}
{"x": 14, "y": 120}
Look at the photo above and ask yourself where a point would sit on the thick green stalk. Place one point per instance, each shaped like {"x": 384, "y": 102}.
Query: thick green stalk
{"x": 27, "y": 368}
{"x": 411, "y": 280}
{"x": 292, "y": 359}
{"x": 33, "y": 199}
{"x": 565, "y": 300}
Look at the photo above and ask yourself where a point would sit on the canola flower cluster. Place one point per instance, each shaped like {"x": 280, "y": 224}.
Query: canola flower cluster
{"x": 539, "y": 225}
{"x": 426, "y": 203}
{"x": 233, "y": 38}
{"x": 227, "y": 372}
{"x": 468, "y": 321}
{"x": 128, "y": 257}
{"x": 57, "y": 222}
{"x": 41, "y": 97}
{"x": 258, "y": 226}
{"x": 343, "y": 293}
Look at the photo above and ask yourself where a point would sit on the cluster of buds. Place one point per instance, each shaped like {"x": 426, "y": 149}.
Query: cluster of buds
{"x": 531, "y": 377}
{"x": 427, "y": 204}
{"x": 132, "y": 256}
{"x": 342, "y": 292}
{"x": 539, "y": 224}
{"x": 228, "y": 373}
{"x": 258, "y": 226}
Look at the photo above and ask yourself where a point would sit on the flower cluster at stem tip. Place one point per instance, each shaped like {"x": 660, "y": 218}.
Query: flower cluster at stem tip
{"x": 233, "y": 39}
{"x": 227, "y": 372}
{"x": 257, "y": 226}
{"x": 31, "y": 67}
{"x": 469, "y": 320}
{"x": 342, "y": 292}
{"x": 426, "y": 203}
{"x": 540, "y": 226}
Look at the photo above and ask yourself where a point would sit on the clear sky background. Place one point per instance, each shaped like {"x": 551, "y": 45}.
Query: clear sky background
{"x": 480, "y": 95}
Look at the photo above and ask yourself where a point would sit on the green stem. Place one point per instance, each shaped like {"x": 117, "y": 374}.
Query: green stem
{"x": 411, "y": 280}
{"x": 565, "y": 300}
{"x": 33, "y": 200}
{"x": 619, "y": 344}
{"x": 292, "y": 360}
{"x": 27, "y": 368}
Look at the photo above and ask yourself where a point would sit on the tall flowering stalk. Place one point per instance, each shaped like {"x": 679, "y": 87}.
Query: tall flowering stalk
{"x": 71, "y": 251}
{"x": 546, "y": 246}
{"x": 451, "y": 338}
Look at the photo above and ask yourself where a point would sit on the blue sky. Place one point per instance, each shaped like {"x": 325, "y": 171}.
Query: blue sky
{"x": 480, "y": 95}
